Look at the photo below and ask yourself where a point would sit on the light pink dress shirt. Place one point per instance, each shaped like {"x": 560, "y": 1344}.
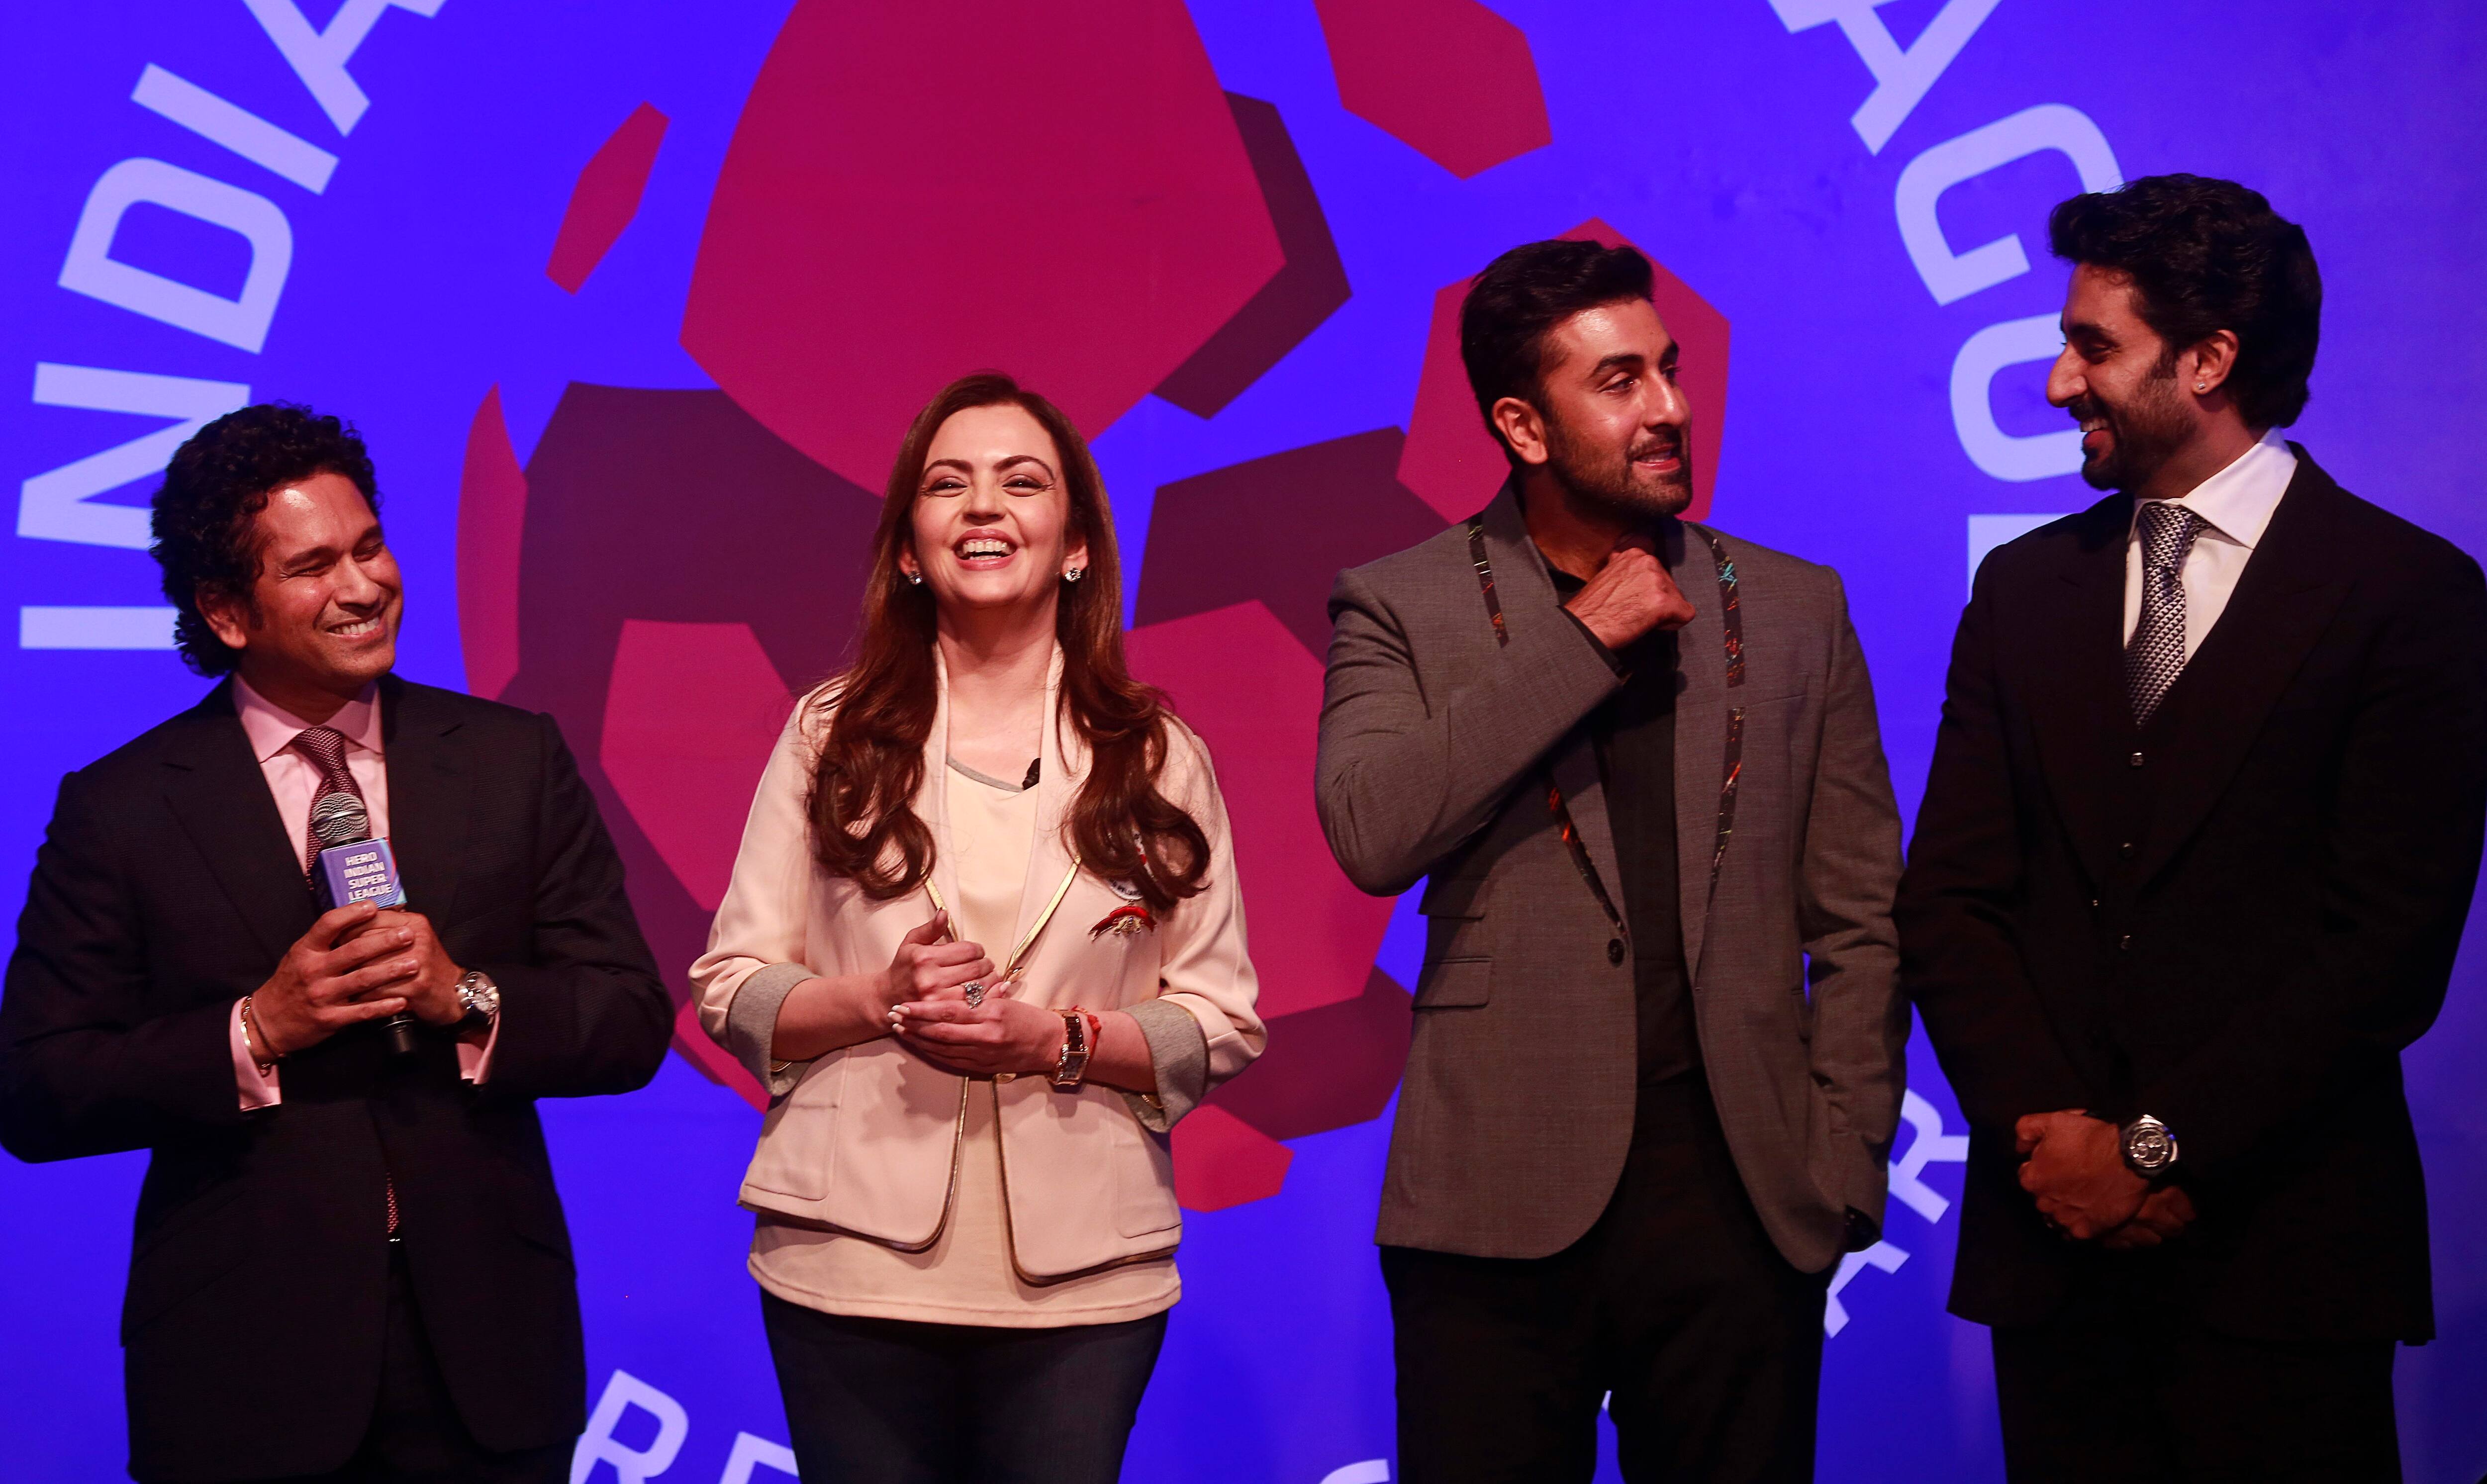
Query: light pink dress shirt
{"x": 295, "y": 780}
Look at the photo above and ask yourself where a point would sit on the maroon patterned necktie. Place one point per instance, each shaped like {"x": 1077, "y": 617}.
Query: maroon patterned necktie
{"x": 325, "y": 747}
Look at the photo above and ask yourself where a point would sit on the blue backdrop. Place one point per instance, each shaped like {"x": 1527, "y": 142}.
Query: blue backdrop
{"x": 359, "y": 208}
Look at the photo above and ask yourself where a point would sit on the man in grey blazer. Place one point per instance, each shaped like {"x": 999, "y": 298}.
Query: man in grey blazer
{"x": 1657, "y": 1059}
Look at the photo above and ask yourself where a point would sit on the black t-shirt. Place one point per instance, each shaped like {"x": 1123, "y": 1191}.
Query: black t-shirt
{"x": 1634, "y": 732}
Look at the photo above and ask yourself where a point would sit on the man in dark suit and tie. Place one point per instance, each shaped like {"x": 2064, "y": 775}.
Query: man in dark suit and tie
{"x": 350, "y": 1262}
{"x": 2201, "y": 835}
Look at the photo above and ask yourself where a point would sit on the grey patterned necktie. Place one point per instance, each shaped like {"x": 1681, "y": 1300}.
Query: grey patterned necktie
{"x": 2155, "y": 656}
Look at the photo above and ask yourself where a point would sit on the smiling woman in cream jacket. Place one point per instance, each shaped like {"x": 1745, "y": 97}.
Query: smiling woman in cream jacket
{"x": 984, "y": 946}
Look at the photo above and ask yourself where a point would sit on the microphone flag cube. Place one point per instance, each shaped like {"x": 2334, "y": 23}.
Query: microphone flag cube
{"x": 365, "y": 871}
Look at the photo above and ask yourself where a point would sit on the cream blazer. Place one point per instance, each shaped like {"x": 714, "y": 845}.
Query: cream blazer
{"x": 865, "y": 1140}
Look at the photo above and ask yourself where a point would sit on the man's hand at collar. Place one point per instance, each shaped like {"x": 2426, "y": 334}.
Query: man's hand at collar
{"x": 1631, "y": 595}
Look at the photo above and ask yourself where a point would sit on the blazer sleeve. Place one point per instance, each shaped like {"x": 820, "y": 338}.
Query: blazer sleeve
{"x": 1960, "y": 955}
{"x": 1203, "y": 965}
{"x": 2400, "y": 852}
{"x": 756, "y": 948}
{"x": 586, "y": 1013}
{"x": 84, "y": 1068}
{"x": 1849, "y": 874}
{"x": 1403, "y": 777}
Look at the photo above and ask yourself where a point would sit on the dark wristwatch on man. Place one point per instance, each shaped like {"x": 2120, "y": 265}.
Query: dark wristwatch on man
{"x": 2149, "y": 1149}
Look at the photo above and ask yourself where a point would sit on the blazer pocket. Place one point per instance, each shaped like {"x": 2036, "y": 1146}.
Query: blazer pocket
{"x": 203, "y": 1246}
{"x": 198, "y": 1213}
{"x": 1455, "y": 896}
{"x": 1144, "y": 1198}
{"x": 535, "y": 1214}
{"x": 799, "y": 1137}
{"x": 1453, "y": 982}
{"x": 1451, "y": 939}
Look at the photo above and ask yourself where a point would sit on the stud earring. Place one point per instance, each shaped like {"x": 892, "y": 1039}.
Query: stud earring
{"x": 2202, "y": 386}
{"x": 915, "y": 579}
{"x": 1073, "y": 574}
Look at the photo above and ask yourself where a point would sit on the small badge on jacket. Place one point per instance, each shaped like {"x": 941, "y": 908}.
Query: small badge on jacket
{"x": 1127, "y": 922}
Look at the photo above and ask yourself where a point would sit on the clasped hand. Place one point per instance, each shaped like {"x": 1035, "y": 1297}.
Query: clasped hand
{"x": 2074, "y": 1165}
{"x": 357, "y": 963}
{"x": 926, "y": 994}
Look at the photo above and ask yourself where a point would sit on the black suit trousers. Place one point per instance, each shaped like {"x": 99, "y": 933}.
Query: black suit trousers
{"x": 1675, "y": 1301}
{"x": 415, "y": 1435}
{"x": 2124, "y": 1382}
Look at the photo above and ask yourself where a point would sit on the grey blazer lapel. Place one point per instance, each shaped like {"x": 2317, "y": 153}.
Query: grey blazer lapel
{"x": 1700, "y": 731}
{"x": 1526, "y": 594}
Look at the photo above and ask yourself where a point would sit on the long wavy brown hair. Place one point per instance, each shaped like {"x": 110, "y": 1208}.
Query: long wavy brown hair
{"x": 864, "y": 825}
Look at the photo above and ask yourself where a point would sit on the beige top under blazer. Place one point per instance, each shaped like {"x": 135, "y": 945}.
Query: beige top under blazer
{"x": 865, "y": 1141}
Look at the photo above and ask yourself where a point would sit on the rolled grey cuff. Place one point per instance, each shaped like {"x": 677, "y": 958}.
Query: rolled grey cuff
{"x": 751, "y": 1025}
{"x": 1179, "y": 1053}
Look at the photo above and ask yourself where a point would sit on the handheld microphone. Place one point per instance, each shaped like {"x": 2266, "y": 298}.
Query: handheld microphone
{"x": 353, "y": 867}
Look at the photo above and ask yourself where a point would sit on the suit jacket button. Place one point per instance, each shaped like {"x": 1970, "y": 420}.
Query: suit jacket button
{"x": 2124, "y": 943}
{"x": 1614, "y": 950}
{"x": 2133, "y": 761}
{"x": 2125, "y": 850}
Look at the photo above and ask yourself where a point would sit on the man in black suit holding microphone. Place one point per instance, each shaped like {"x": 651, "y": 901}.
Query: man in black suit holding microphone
{"x": 350, "y": 1261}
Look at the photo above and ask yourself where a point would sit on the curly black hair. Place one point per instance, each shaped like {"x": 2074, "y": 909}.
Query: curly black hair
{"x": 1519, "y": 298}
{"x": 2205, "y": 256}
{"x": 203, "y": 518}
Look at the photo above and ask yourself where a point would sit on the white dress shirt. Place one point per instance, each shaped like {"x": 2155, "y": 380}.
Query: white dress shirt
{"x": 2235, "y": 505}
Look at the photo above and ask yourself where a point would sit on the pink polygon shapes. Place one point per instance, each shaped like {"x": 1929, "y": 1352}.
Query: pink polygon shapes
{"x": 1220, "y": 1161}
{"x": 1455, "y": 466}
{"x": 918, "y": 190}
{"x": 1326, "y": 1067}
{"x": 1290, "y": 306}
{"x": 693, "y": 715}
{"x": 1243, "y": 682}
{"x": 605, "y": 198}
{"x": 1448, "y": 78}
{"x": 1279, "y": 528}
{"x": 691, "y": 1039}
{"x": 675, "y": 507}
{"x": 491, "y": 517}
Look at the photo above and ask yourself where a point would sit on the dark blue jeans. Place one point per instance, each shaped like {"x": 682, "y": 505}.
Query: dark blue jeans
{"x": 886, "y": 1401}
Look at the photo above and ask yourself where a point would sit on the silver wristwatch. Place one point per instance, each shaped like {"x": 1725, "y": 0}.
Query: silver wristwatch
{"x": 478, "y": 994}
{"x": 2149, "y": 1149}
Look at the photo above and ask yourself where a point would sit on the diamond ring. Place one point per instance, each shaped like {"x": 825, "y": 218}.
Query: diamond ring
{"x": 975, "y": 993}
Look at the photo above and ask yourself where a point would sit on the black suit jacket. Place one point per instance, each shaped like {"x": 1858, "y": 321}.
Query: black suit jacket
{"x": 165, "y": 889}
{"x": 2234, "y": 919}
